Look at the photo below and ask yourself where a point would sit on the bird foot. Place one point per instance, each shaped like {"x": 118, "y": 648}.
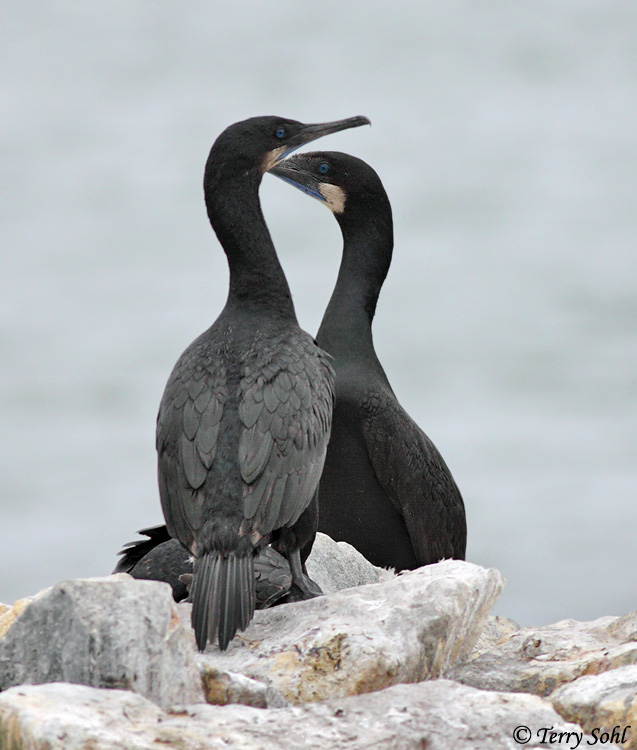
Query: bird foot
{"x": 303, "y": 588}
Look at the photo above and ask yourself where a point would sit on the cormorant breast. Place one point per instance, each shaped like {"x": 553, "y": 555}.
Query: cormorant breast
{"x": 385, "y": 488}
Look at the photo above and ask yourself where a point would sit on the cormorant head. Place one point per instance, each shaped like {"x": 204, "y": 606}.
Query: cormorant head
{"x": 259, "y": 143}
{"x": 342, "y": 182}
{"x": 354, "y": 193}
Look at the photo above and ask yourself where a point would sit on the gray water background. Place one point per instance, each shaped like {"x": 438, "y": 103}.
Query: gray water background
{"x": 505, "y": 134}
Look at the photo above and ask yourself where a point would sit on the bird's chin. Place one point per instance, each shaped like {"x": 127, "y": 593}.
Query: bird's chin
{"x": 274, "y": 157}
{"x": 277, "y": 155}
{"x": 333, "y": 196}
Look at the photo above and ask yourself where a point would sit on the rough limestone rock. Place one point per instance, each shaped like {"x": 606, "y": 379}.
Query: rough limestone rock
{"x": 539, "y": 660}
{"x": 224, "y": 687}
{"x": 497, "y": 630}
{"x": 337, "y": 565}
{"x": 437, "y": 715}
{"x": 9, "y": 613}
{"x": 407, "y": 629}
{"x": 606, "y": 702}
{"x": 112, "y": 632}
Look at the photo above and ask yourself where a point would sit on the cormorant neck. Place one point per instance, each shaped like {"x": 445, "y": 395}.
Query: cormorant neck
{"x": 367, "y": 249}
{"x": 257, "y": 281}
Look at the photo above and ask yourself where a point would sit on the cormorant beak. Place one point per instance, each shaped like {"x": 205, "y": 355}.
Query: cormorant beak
{"x": 289, "y": 172}
{"x": 310, "y": 133}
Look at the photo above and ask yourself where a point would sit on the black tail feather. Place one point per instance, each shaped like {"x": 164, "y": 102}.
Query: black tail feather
{"x": 223, "y": 597}
{"x": 201, "y": 585}
{"x": 230, "y": 600}
{"x": 246, "y": 610}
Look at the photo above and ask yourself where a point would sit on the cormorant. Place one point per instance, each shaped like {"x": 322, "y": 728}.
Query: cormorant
{"x": 157, "y": 558}
{"x": 245, "y": 418}
{"x": 385, "y": 488}
{"x": 161, "y": 558}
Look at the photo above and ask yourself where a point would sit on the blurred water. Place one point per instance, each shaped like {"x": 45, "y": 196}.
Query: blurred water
{"x": 505, "y": 135}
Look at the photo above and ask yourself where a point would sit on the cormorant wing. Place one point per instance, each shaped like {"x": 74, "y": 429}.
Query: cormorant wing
{"x": 415, "y": 477}
{"x": 187, "y": 432}
{"x": 286, "y": 412}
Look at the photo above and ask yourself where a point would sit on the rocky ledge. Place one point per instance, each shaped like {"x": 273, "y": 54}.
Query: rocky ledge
{"x": 383, "y": 661}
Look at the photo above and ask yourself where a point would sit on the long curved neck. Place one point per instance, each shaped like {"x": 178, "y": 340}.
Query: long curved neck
{"x": 257, "y": 281}
{"x": 346, "y": 328}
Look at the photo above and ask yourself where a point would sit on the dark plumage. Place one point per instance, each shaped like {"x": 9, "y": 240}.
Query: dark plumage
{"x": 157, "y": 558}
{"x": 385, "y": 488}
{"x": 245, "y": 417}
{"x": 160, "y": 558}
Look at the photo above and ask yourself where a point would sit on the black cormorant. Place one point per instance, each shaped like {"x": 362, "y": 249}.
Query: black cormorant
{"x": 157, "y": 558}
{"x": 161, "y": 558}
{"x": 385, "y": 488}
{"x": 244, "y": 421}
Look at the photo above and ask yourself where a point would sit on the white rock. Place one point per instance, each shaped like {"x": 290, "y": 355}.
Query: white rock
{"x": 410, "y": 628}
{"x": 223, "y": 687}
{"x": 539, "y": 660}
{"x": 112, "y": 632}
{"x": 437, "y": 715}
{"x": 497, "y": 630}
{"x": 337, "y": 565}
{"x": 604, "y": 702}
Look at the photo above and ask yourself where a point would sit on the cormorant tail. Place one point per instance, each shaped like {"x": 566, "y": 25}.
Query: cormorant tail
{"x": 223, "y": 597}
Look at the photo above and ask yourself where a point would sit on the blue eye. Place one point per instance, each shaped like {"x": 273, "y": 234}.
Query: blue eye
{"x": 323, "y": 167}
{"x": 280, "y": 132}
